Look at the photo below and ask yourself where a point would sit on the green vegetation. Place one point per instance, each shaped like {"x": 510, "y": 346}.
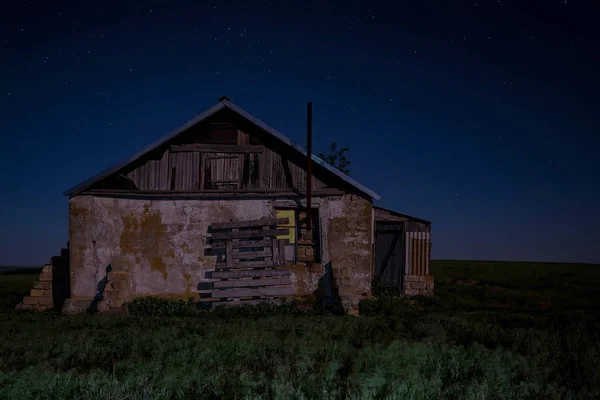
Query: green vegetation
{"x": 157, "y": 307}
{"x": 493, "y": 331}
{"x": 337, "y": 158}
{"x": 16, "y": 284}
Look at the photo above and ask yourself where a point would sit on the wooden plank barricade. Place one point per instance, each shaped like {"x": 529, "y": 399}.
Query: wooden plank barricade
{"x": 250, "y": 266}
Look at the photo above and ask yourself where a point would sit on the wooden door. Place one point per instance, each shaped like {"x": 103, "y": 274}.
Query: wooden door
{"x": 389, "y": 254}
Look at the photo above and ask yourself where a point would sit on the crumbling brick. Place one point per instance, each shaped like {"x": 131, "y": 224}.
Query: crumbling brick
{"x": 418, "y": 285}
{"x": 46, "y": 277}
{"x": 42, "y": 285}
{"x": 27, "y": 300}
{"x": 116, "y": 291}
{"x": 37, "y": 292}
{"x": 315, "y": 268}
{"x": 45, "y": 301}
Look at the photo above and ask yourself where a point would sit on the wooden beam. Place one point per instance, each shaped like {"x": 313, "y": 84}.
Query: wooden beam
{"x": 252, "y": 282}
{"x": 216, "y": 182}
{"x": 211, "y": 193}
{"x": 228, "y": 254}
{"x": 245, "y": 264}
{"x": 247, "y": 234}
{"x": 247, "y": 274}
{"x": 250, "y": 223}
{"x": 240, "y": 244}
{"x": 308, "y": 166}
{"x": 217, "y": 148}
{"x": 239, "y": 302}
{"x": 247, "y": 292}
{"x": 222, "y": 156}
{"x": 252, "y": 254}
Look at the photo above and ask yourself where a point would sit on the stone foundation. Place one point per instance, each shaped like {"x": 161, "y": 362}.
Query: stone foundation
{"x": 418, "y": 285}
{"x": 40, "y": 297}
{"x": 77, "y": 305}
{"x": 116, "y": 292}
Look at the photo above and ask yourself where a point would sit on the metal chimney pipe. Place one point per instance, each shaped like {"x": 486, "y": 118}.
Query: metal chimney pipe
{"x": 309, "y": 166}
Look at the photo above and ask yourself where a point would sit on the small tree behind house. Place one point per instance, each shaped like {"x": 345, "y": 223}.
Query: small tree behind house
{"x": 337, "y": 158}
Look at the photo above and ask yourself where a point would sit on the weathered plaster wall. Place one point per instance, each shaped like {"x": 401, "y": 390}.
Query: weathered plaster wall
{"x": 161, "y": 243}
{"x": 348, "y": 229}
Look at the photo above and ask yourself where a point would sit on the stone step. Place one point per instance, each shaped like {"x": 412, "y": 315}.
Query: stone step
{"x": 37, "y": 301}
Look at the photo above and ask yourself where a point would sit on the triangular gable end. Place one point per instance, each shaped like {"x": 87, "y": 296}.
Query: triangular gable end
{"x": 86, "y": 184}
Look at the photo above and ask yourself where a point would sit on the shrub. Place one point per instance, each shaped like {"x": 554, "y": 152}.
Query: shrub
{"x": 262, "y": 309}
{"x": 155, "y": 306}
{"x": 384, "y": 287}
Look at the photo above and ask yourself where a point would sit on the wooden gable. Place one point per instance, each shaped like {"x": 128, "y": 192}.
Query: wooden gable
{"x": 224, "y": 153}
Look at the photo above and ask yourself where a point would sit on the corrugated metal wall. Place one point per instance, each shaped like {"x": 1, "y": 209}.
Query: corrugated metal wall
{"x": 417, "y": 253}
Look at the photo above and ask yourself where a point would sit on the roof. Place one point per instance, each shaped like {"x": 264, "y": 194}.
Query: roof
{"x": 386, "y": 215}
{"x": 201, "y": 117}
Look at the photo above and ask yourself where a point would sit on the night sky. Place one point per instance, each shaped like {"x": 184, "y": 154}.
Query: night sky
{"x": 481, "y": 116}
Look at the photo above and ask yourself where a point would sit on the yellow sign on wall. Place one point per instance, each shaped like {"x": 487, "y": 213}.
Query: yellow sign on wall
{"x": 291, "y": 226}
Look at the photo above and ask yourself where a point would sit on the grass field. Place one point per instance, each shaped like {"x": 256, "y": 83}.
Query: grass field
{"x": 493, "y": 331}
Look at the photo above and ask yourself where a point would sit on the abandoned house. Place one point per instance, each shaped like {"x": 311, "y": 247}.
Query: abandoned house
{"x": 218, "y": 210}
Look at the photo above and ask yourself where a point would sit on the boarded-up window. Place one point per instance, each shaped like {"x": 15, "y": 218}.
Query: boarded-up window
{"x": 222, "y": 171}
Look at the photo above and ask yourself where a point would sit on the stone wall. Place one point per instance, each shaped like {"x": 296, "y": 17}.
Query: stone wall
{"x": 161, "y": 244}
{"x": 418, "y": 285}
{"x": 40, "y": 297}
{"x": 116, "y": 291}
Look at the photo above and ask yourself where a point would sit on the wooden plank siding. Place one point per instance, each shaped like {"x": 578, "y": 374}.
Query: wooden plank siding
{"x": 184, "y": 171}
{"x": 152, "y": 174}
{"x": 197, "y": 166}
{"x": 267, "y": 291}
{"x": 235, "y": 274}
{"x": 234, "y": 283}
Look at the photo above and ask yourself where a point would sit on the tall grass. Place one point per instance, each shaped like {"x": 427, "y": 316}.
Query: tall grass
{"x": 474, "y": 340}
{"x": 54, "y": 357}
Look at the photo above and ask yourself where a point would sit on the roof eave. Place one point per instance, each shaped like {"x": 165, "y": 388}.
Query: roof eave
{"x": 89, "y": 181}
{"x": 73, "y": 191}
{"x": 402, "y": 214}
